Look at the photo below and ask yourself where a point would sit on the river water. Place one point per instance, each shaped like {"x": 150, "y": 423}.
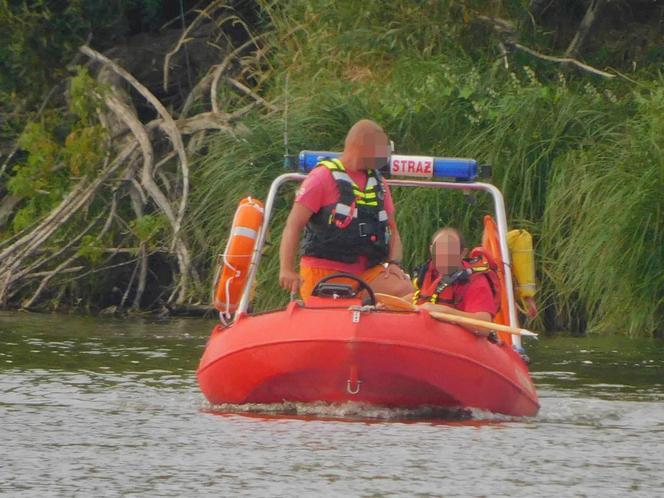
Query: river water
{"x": 96, "y": 406}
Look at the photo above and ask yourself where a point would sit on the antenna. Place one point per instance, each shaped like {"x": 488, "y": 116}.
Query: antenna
{"x": 287, "y": 161}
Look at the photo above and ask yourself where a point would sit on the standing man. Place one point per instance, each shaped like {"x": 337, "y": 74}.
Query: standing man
{"x": 346, "y": 210}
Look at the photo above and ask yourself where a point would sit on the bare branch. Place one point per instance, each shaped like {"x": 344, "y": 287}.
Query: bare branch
{"x": 148, "y": 183}
{"x": 205, "y": 13}
{"x": 585, "y": 27}
{"x": 29, "y": 241}
{"x": 250, "y": 93}
{"x": 503, "y": 52}
{"x": 561, "y": 60}
{"x": 42, "y": 285}
{"x": 204, "y": 121}
{"x": 142, "y": 276}
{"x": 12, "y": 257}
{"x": 166, "y": 158}
{"x": 40, "y": 274}
{"x": 168, "y": 126}
{"x": 102, "y": 268}
{"x": 51, "y": 256}
{"x": 7, "y": 206}
{"x": 219, "y": 70}
{"x": 6, "y": 162}
{"x": 506, "y": 32}
{"x": 129, "y": 285}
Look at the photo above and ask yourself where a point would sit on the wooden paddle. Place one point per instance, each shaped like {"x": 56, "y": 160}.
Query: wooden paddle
{"x": 399, "y": 304}
{"x": 394, "y": 303}
{"x": 481, "y": 324}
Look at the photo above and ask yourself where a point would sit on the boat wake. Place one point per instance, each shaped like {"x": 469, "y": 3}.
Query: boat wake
{"x": 355, "y": 411}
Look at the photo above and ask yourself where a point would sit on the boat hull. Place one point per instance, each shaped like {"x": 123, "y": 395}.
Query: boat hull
{"x": 336, "y": 354}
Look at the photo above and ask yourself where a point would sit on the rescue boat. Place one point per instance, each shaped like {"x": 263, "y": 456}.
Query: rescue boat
{"x": 335, "y": 347}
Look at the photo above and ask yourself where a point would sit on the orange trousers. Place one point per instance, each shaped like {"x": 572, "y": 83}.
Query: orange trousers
{"x": 312, "y": 275}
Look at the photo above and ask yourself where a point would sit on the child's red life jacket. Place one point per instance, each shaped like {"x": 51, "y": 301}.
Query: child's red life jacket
{"x": 442, "y": 290}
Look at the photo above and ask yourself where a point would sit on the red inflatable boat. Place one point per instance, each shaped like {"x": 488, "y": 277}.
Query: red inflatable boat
{"x": 332, "y": 348}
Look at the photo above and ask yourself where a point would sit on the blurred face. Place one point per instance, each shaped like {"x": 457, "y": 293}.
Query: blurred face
{"x": 446, "y": 253}
{"x": 375, "y": 151}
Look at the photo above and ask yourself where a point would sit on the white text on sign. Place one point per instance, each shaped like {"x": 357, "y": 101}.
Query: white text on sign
{"x": 420, "y": 166}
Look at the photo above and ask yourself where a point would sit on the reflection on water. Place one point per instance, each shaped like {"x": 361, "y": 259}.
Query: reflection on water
{"x": 111, "y": 407}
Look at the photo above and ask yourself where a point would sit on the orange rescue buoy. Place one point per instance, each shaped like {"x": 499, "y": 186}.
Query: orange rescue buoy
{"x": 236, "y": 258}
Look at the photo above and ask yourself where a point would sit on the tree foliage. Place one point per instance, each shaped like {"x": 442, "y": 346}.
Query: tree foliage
{"x": 38, "y": 38}
{"x": 576, "y": 146}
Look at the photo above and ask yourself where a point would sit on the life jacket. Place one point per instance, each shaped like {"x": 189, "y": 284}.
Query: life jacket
{"x": 356, "y": 225}
{"x": 442, "y": 290}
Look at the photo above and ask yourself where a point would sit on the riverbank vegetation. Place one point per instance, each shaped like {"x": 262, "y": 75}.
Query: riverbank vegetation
{"x": 564, "y": 99}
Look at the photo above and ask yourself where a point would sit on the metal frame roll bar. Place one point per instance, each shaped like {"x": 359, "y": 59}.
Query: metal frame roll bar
{"x": 501, "y": 220}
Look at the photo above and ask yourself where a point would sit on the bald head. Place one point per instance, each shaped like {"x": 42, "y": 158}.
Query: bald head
{"x": 366, "y": 146}
{"x": 447, "y": 250}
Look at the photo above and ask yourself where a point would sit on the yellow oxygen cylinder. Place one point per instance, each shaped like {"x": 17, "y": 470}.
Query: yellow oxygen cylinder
{"x": 520, "y": 243}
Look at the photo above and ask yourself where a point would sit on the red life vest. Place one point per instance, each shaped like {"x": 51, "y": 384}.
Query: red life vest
{"x": 445, "y": 289}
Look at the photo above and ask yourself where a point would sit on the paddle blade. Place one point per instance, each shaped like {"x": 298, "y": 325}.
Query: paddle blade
{"x": 395, "y": 303}
{"x": 481, "y": 324}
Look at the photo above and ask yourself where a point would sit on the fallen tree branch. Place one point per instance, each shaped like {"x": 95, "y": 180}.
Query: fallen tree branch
{"x": 150, "y": 186}
{"x": 560, "y": 60}
{"x": 12, "y": 256}
{"x": 39, "y": 274}
{"x": 506, "y": 33}
{"x": 61, "y": 268}
{"x": 12, "y": 241}
{"x": 168, "y": 126}
{"x": 62, "y": 250}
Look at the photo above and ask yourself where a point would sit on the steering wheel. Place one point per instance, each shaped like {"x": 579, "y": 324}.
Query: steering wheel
{"x": 323, "y": 289}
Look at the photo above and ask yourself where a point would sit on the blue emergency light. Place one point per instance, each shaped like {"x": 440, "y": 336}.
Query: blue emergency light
{"x": 457, "y": 169}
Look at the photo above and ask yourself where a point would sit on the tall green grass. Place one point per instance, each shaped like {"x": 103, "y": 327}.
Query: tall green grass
{"x": 580, "y": 161}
